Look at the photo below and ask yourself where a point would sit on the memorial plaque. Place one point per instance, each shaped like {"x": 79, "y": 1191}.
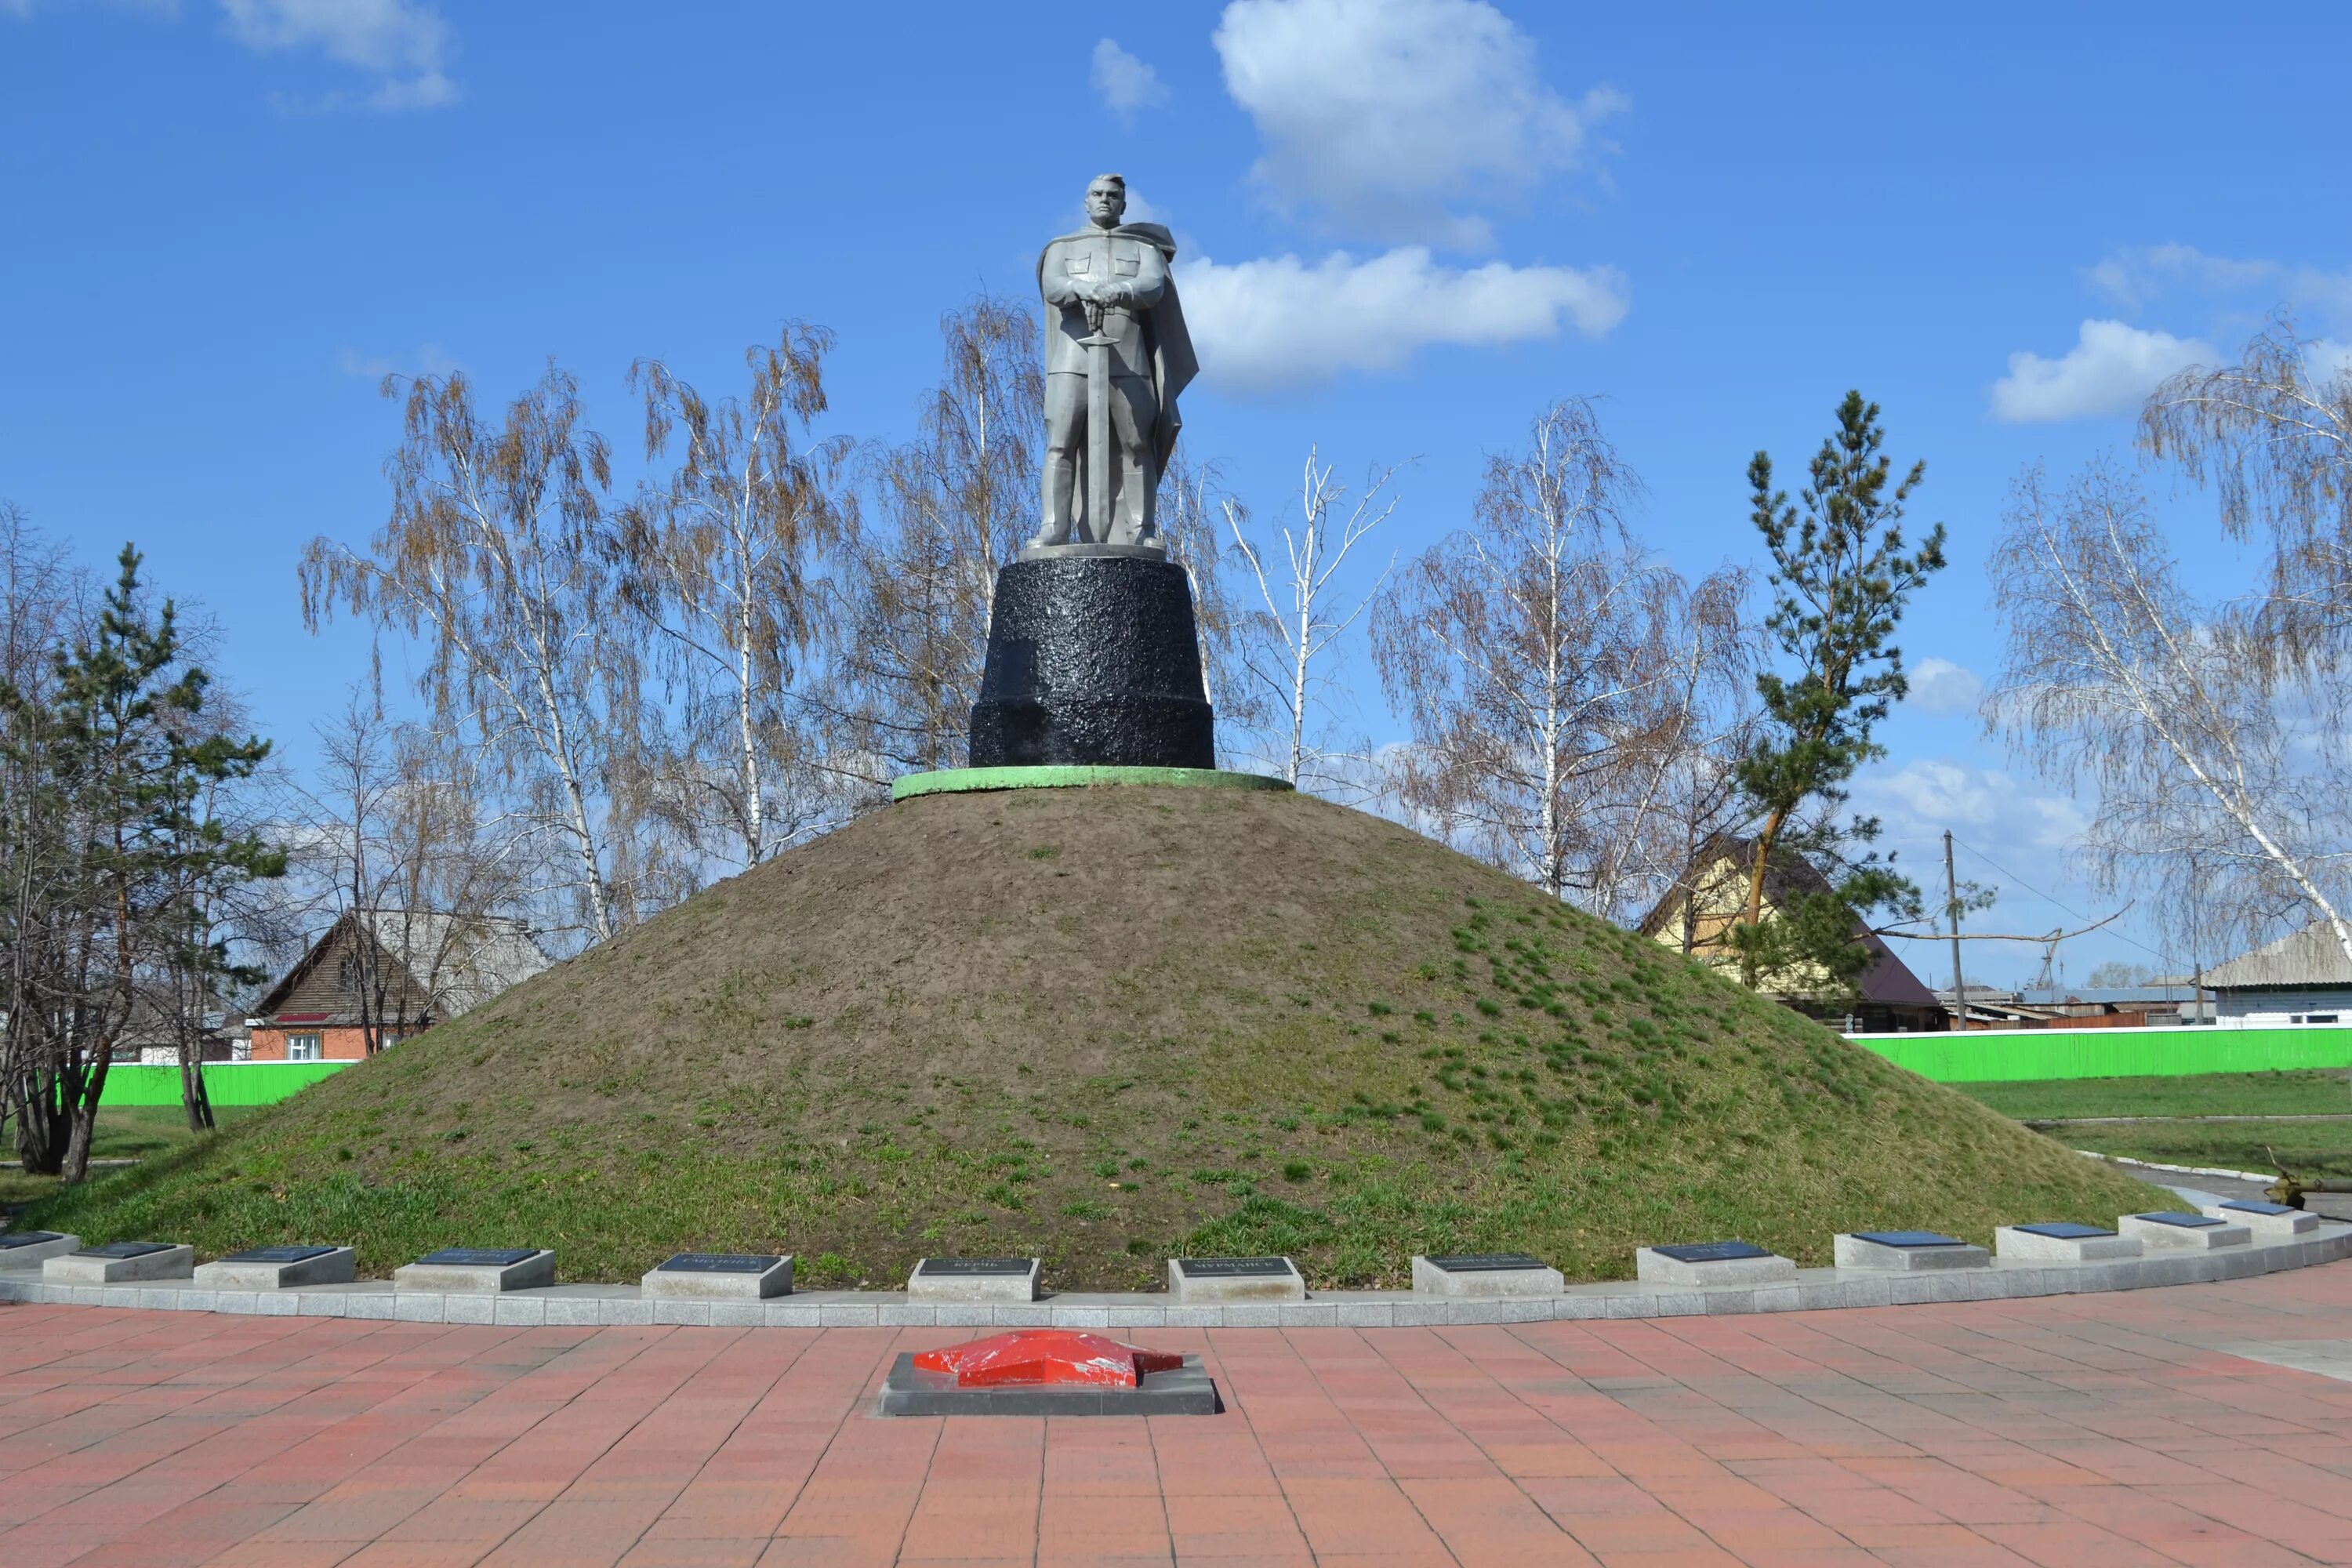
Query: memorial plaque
{"x": 975, "y": 1267}
{"x": 1909, "y": 1238}
{"x": 1236, "y": 1267}
{"x": 1484, "y": 1262}
{"x": 26, "y": 1238}
{"x": 2185, "y": 1221}
{"x": 278, "y": 1255}
{"x": 720, "y": 1263}
{"x": 480, "y": 1257}
{"x": 1711, "y": 1251}
{"x": 2255, "y": 1205}
{"x": 125, "y": 1250}
{"x": 2064, "y": 1230}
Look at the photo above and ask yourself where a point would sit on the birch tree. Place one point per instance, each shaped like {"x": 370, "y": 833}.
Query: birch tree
{"x": 400, "y": 836}
{"x": 489, "y": 560}
{"x": 2272, "y": 435}
{"x": 917, "y": 569}
{"x": 1192, "y": 514}
{"x": 719, "y": 563}
{"x": 1552, "y": 673}
{"x": 1302, "y": 613}
{"x": 2218, "y": 791}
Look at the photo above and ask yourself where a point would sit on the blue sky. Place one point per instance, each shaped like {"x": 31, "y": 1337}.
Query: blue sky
{"x": 224, "y": 221}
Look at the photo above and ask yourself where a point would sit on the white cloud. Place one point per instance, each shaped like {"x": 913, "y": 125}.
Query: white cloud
{"x": 430, "y": 359}
{"x": 1124, "y": 83}
{"x": 1279, "y": 322}
{"x": 2325, "y": 360}
{"x": 1939, "y": 686}
{"x": 1377, "y": 113}
{"x": 405, "y": 46}
{"x": 2000, "y": 822}
{"x": 1987, "y": 805}
{"x": 2134, "y": 278}
{"x": 2110, "y": 368}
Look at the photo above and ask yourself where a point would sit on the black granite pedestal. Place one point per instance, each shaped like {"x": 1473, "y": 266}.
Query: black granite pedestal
{"x": 1093, "y": 660}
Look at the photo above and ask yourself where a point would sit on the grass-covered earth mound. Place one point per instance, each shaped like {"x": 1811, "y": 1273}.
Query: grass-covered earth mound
{"x": 1106, "y": 1025}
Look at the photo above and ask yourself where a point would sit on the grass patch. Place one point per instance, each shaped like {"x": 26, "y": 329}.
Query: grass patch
{"x": 2307, "y": 1148}
{"x": 2314, "y": 1094}
{"x": 124, "y": 1133}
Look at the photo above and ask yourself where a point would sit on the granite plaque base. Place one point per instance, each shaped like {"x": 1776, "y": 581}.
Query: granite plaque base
{"x": 973, "y": 1280}
{"x": 1712, "y": 1263}
{"x": 1907, "y": 1251}
{"x": 1484, "y": 1273}
{"x": 1193, "y": 1280}
{"x": 2061, "y": 1242}
{"x": 478, "y": 1270}
{"x": 910, "y": 1390}
{"x": 2269, "y": 1222}
{"x": 1093, "y": 659}
{"x": 279, "y": 1268}
{"x": 31, "y": 1248}
{"x": 2173, "y": 1231}
{"x": 119, "y": 1263}
{"x": 718, "y": 1276}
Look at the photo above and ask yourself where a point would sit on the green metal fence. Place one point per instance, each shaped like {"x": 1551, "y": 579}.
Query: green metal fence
{"x": 1994, "y": 1056}
{"x": 228, "y": 1083}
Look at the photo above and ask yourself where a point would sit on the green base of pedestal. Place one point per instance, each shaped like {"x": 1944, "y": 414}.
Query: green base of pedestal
{"x": 963, "y": 781}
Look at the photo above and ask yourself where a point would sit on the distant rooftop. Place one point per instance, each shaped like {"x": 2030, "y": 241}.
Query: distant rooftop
{"x": 2311, "y": 956}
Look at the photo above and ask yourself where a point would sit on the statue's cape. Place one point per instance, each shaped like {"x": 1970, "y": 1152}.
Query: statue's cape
{"x": 1173, "y": 365}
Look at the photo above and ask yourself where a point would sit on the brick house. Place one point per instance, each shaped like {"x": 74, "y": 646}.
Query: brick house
{"x": 390, "y": 973}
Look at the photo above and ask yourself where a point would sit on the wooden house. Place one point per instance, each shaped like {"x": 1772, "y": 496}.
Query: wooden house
{"x": 1696, "y": 918}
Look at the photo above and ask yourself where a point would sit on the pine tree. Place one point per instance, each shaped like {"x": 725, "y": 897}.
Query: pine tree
{"x": 1841, "y": 578}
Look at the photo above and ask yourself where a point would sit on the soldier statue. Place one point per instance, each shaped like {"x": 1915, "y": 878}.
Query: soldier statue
{"x": 1116, "y": 354}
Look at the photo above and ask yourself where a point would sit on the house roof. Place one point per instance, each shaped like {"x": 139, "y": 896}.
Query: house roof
{"x": 461, "y": 962}
{"x": 2311, "y": 956}
{"x": 1887, "y": 983}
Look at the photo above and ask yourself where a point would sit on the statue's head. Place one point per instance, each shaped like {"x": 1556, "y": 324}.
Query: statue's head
{"x": 1107, "y": 200}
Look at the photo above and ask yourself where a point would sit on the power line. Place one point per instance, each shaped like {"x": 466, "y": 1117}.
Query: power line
{"x": 2169, "y": 960}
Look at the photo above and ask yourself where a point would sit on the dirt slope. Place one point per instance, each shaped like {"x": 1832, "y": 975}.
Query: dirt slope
{"x": 1107, "y": 1025}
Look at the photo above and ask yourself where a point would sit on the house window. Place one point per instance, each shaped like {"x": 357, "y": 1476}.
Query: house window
{"x": 304, "y": 1048}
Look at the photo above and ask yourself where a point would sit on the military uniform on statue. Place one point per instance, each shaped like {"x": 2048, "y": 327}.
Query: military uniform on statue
{"x": 1093, "y": 654}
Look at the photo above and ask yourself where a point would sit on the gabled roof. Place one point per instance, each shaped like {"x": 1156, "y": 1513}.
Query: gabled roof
{"x": 1888, "y": 982}
{"x": 2311, "y": 956}
{"x": 457, "y": 962}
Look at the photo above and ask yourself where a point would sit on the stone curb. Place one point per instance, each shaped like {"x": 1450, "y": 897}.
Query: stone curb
{"x": 618, "y": 1306}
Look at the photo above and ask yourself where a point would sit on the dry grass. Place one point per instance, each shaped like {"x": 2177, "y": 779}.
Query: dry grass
{"x": 1103, "y": 1026}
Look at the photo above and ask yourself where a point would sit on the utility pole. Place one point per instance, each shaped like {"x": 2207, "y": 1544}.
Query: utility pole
{"x": 1952, "y": 910}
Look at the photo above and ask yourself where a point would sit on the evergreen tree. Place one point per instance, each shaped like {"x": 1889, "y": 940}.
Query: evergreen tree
{"x": 129, "y": 775}
{"x": 1841, "y": 578}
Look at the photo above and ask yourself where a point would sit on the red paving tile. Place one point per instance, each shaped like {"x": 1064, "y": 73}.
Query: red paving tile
{"x": 2087, "y": 1431}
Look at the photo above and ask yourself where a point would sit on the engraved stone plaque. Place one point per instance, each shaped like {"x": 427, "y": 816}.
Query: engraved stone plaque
{"x": 479, "y": 1256}
{"x": 1909, "y": 1238}
{"x": 278, "y": 1255}
{"x": 1484, "y": 1262}
{"x": 2185, "y": 1221}
{"x": 1234, "y": 1267}
{"x": 16, "y": 1238}
{"x": 1713, "y": 1252}
{"x": 2064, "y": 1230}
{"x": 125, "y": 1250}
{"x": 720, "y": 1263}
{"x": 975, "y": 1267}
{"x": 2255, "y": 1205}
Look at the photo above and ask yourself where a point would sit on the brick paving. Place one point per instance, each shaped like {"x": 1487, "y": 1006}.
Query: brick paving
{"x": 2078, "y": 1432}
